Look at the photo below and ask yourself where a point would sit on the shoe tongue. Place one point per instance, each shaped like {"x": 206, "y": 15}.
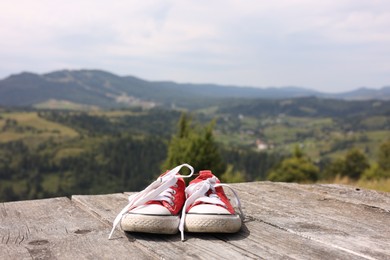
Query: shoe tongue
{"x": 205, "y": 174}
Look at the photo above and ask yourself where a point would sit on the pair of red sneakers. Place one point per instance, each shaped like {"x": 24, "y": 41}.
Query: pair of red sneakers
{"x": 167, "y": 206}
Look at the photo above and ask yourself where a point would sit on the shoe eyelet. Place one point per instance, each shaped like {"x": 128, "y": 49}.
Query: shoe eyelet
{"x": 176, "y": 185}
{"x": 173, "y": 192}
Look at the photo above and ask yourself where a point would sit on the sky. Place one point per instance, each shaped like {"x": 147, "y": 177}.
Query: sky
{"x": 329, "y": 46}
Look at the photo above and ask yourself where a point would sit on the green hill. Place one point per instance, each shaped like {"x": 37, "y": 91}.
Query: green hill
{"x": 95, "y": 88}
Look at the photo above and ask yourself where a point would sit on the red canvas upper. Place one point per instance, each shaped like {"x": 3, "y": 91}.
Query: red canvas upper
{"x": 204, "y": 175}
{"x": 178, "y": 198}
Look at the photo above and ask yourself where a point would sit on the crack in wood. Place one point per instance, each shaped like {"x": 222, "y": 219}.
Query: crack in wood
{"x": 28, "y": 229}
{"x": 40, "y": 253}
{"x": 80, "y": 205}
{"x": 3, "y": 210}
{"x": 379, "y": 209}
{"x": 8, "y": 238}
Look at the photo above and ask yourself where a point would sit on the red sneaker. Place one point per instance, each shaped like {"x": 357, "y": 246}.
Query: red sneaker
{"x": 207, "y": 209}
{"x": 155, "y": 209}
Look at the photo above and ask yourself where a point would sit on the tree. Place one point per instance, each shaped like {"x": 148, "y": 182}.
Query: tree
{"x": 194, "y": 145}
{"x": 334, "y": 168}
{"x": 231, "y": 176}
{"x": 380, "y": 169}
{"x": 355, "y": 164}
{"x": 384, "y": 156}
{"x": 297, "y": 168}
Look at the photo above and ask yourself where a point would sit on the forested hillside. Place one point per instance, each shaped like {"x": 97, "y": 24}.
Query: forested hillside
{"x": 46, "y": 153}
{"x": 307, "y": 107}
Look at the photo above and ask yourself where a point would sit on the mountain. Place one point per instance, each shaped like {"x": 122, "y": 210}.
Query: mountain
{"x": 307, "y": 107}
{"x": 366, "y": 93}
{"x": 97, "y": 88}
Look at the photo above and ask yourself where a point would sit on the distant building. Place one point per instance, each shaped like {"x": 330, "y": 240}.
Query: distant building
{"x": 261, "y": 146}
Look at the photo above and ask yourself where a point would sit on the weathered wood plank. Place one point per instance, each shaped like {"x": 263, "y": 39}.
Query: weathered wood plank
{"x": 56, "y": 229}
{"x": 257, "y": 239}
{"x": 271, "y": 242}
{"x": 283, "y": 221}
{"x": 358, "y": 229}
{"x": 348, "y": 194}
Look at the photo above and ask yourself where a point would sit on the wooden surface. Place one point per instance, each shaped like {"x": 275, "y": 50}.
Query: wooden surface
{"x": 288, "y": 221}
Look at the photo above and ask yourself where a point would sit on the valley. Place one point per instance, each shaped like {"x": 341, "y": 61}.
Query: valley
{"x": 93, "y": 132}
{"x": 46, "y": 152}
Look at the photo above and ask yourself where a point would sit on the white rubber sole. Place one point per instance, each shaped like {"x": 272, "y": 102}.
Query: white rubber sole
{"x": 212, "y": 223}
{"x": 155, "y": 224}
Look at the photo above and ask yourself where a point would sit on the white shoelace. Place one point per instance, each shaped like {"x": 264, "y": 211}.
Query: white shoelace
{"x": 197, "y": 193}
{"x": 158, "y": 190}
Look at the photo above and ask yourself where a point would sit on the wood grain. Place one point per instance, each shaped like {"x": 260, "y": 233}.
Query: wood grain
{"x": 56, "y": 229}
{"x": 283, "y": 221}
{"x": 361, "y": 230}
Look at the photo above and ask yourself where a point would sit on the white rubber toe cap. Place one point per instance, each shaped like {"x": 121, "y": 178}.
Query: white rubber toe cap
{"x": 151, "y": 209}
{"x": 208, "y": 209}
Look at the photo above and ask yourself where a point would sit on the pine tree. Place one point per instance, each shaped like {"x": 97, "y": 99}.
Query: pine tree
{"x": 384, "y": 156}
{"x": 355, "y": 164}
{"x": 194, "y": 145}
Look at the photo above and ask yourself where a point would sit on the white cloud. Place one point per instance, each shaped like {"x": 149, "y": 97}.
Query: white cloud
{"x": 317, "y": 44}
